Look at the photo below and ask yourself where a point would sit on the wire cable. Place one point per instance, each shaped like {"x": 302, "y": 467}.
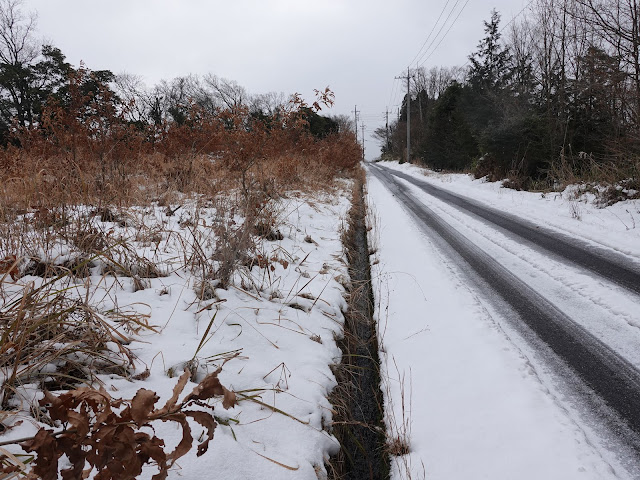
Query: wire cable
{"x": 440, "y": 31}
{"x": 430, "y": 33}
{"x": 393, "y": 89}
{"x": 445, "y": 35}
{"x": 516, "y": 16}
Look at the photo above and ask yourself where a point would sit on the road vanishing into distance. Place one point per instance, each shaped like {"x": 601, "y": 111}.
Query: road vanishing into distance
{"x": 574, "y": 302}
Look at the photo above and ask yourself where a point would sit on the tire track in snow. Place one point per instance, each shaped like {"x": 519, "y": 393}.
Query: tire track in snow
{"x": 608, "y": 264}
{"x": 601, "y": 307}
{"x": 614, "y": 379}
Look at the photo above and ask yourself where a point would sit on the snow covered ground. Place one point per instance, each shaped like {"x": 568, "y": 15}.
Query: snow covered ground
{"x": 616, "y": 226}
{"x": 471, "y": 397}
{"x": 467, "y": 394}
{"x": 277, "y": 322}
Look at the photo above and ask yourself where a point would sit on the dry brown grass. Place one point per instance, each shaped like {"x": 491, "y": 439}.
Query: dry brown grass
{"x": 54, "y": 340}
{"x": 358, "y": 418}
{"x": 72, "y": 185}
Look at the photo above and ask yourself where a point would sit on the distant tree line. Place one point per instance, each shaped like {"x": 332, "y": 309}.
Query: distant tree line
{"x": 73, "y": 135}
{"x": 33, "y": 76}
{"x": 549, "y": 98}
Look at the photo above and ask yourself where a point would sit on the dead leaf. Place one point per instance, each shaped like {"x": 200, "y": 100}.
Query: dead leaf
{"x": 47, "y": 454}
{"x": 142, "y": 405}
{"x": 79, "y": 421}
{"x": 177, "y": 390}
{"x": 229, "y": 400}
{"x": 104, "y": 437}
{"x": 152, "y": 448}
{"x": 207, "y": 421}
{"x": 187, "y": 440}
{"x": 9, "y": 265}
{"x": 142, "y": 376}
{"x": 57, "y": 409}
{"x": 209, "y": 387}
{"x": 71, "y": 445}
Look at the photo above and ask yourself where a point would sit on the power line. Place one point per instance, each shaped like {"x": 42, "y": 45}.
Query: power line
{"x": 519, "y": 13}
{"x": 430, "y": 33}
{"x": 396, "y": 99}
{"x": 446, "y": 33}
{"x": 393, "y": 89}
{"x": 439, "y": 31}
{"x": 395, "y": 92}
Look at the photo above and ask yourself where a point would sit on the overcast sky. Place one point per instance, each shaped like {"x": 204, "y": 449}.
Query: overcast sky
{"x": 356, "y": 47}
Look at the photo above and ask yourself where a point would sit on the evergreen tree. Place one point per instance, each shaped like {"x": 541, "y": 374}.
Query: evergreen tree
{"x": 449, "y": 143}
{"x": 595, "y": 107}
{"x": 490, "y": 64}
{"x": 319, "y": 126}
{"x": 26, "y": 87}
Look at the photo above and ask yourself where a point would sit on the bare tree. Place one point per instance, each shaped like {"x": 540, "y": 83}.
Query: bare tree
{"x": 17, "y": 45}
{"x": 436, "y": 80}
{"x": 618, "y": 23}
{"x": 228, "y": 92}
{"x": 18, "y": 50}
{"x": 270, "y": 103}
{"x": 345, "y": 122}
{"x": 135, "y": 97}
{"x": 521, "y": 44}
{"x": 173, "y": 99}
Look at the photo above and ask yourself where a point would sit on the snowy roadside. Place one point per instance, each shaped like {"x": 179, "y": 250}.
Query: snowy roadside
{"x": 272, "y": 330}
{"x": 616, "y": 226}
{"x": 460, "y": 387}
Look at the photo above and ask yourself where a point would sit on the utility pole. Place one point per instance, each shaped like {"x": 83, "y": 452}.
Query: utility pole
{"x": 355, "y": 121}
{"x": 408, "y": 116}
{"x": 387, "y": 127}
{"x": 363, "y": 142}
{"x": 408, "y": 78}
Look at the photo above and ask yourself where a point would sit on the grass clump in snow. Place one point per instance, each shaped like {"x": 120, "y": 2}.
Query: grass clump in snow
{"x": 51, "y": 338}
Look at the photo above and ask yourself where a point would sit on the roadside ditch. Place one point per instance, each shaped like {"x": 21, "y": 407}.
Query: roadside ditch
{"x": 358, "y": 400}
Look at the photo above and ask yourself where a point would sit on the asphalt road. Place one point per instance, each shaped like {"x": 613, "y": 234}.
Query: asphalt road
{"x": 612, "y": 378}
{"x": 607, "y": 264}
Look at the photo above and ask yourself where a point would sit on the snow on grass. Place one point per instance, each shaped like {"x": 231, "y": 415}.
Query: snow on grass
{"x": 276, "y": 322}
